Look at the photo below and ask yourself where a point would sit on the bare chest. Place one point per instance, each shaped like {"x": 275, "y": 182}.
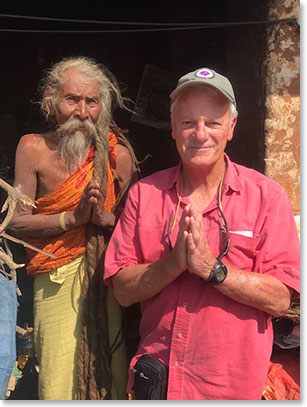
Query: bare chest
{"x": 51, "y": 174}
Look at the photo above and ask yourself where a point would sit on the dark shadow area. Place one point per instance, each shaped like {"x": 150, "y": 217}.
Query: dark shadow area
{"x": 236, "y": 51}
{"x": 27, "y": 385}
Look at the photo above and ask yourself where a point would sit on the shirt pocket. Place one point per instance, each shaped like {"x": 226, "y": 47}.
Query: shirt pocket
{"x": 242, "y": 252}
{"x": 153, "y": 241}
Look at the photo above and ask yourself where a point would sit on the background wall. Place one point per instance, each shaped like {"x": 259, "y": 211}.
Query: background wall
{"x": 282, "y": 118}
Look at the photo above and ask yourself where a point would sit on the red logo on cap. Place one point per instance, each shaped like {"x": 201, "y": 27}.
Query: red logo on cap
{"x": 205, "y": 73}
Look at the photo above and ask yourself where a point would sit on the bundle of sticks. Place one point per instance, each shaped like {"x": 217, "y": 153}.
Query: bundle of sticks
{"x": 14, "y": 196}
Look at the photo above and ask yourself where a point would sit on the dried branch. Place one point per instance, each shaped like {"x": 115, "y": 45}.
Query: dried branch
{"x": 25, "y": 244}
{"x": 14, "y": 197}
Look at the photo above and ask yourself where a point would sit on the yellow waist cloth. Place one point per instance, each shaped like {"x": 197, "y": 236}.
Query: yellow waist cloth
{"x": 57, "y": 329}
{"x": 72, "y": 243}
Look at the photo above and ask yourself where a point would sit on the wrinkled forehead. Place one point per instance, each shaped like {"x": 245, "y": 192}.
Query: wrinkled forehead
{"x": 76, "y": 81}
{"x": 74, "y": 74}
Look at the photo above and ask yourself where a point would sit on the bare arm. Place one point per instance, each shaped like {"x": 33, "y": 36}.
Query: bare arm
{"x": 24, "y": 223}
{"x": 122, "y": 176}
{"x": 261, "y": 291}
{"x": 140, "y": 282}
{"x": 123, "y": 170}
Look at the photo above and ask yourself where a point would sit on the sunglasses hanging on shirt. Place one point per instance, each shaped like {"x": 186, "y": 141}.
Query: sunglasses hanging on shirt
{"x": 224, "y": 231}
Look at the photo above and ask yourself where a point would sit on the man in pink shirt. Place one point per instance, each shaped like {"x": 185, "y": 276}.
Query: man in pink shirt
{"x": 210, "y": 250}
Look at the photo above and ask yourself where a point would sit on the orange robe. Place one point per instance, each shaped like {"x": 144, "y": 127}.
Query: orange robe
{"x": 68, "y": 245}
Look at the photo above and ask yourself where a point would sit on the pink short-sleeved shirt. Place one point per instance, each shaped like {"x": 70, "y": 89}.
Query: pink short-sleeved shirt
{"x": 215, "y": 347}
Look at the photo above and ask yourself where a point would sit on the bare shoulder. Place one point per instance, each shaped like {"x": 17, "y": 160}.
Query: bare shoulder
{"x": 123, "y": 157}
{"x": 122, "y": 152}
{"x": 32, "y": 151}
{"x": 123, "y": 162}
{"x": 31, "y": 144}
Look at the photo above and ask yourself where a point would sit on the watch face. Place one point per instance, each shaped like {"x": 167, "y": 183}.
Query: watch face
{"x": 220, "y": 273}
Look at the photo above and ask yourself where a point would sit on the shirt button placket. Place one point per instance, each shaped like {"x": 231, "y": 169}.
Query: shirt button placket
{"x": 178, "y": 348}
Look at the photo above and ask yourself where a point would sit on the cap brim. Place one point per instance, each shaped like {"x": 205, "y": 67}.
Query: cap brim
{"x": 190, "y": 84}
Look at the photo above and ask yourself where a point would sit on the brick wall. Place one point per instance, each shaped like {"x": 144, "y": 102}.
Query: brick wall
{"x": 282, "y": 100}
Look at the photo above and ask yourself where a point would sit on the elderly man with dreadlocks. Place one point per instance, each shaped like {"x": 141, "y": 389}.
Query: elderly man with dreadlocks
{"x": 77, "y": 173}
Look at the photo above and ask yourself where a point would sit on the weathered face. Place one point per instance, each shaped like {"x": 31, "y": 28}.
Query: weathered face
{"x": 79, "y": 98}
{"x": 201, "y": 127}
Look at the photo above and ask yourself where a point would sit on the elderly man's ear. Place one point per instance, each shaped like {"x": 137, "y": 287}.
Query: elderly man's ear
{"x": 231, "y": 130}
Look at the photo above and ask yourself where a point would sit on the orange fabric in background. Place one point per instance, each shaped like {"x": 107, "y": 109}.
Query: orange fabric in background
{"x": 280, "y": 385}
{"x": 68, "y": 245}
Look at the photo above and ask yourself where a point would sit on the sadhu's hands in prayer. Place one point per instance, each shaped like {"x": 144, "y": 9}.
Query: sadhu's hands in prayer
{"x": 90, "y": 197}
{"x": 90, "y": 207}
{"x": 99, "y": 216}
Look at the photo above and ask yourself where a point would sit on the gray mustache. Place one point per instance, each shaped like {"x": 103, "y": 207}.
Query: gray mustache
{"x": 72, "y": 126}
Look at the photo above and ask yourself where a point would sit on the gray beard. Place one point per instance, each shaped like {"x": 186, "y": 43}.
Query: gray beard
{"x": 73, "y": 139}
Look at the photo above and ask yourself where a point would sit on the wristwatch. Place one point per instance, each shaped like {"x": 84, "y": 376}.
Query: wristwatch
{"x": 217, "y": 275}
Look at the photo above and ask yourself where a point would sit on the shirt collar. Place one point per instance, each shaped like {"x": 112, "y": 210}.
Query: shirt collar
{"x": 231, "y": 178}
{"x": 173, "y": 177}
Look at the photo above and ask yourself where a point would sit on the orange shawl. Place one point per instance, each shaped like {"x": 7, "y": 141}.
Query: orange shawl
{"x": 68, "y": 245}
